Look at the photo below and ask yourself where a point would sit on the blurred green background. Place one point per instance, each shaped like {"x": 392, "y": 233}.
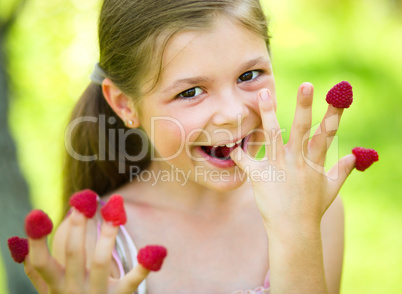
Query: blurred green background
{"x": 53, "y": 46}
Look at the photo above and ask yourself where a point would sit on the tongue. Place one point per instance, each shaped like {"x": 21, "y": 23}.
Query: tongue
{"x": 219, "y": 152}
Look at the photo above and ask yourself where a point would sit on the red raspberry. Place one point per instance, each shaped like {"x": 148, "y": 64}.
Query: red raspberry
{"x": 364, "y": 157}
{"x": 38, "y": 224}
{"x": 18, "y": 248}
{"x": 114, "y": 211}
{"x": 151, "y": 257}
{"x": 341, "y": 95}
{"x": 85, "y": 202}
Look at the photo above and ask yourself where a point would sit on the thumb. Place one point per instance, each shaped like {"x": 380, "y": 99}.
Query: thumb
{"x": 130, "y": 282}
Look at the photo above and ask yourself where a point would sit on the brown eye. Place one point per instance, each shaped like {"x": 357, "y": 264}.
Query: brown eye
{"x": 248, "y": 76}
{"x": 190, "y": 93}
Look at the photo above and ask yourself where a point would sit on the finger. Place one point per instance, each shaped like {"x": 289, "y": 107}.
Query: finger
{"x": 75, "y": 250}
{"x": 41, "y": 260}
{"x": 243, "y": 160}
{"x": 34, "y": 276}
{"x": 339, "y": 173}
{"x": 130, "y": 282}
{"x": 324, "y": 135}
{"x": 101, "y": 261}
{"x": 300, "y": 131}
{"x": 274, "y": 143}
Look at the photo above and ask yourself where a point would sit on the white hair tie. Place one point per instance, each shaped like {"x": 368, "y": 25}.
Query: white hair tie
{"x": 98, "y": 74}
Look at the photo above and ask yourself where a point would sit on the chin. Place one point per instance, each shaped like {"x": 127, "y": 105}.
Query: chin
{"x": 226, "y": 182}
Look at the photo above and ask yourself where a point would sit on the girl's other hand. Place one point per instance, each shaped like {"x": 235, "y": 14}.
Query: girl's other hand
{"x": 49, "y": 276}
{"x": 298, "y": 200}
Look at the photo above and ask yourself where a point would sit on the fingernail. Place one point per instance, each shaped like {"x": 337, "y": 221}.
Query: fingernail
{"x": 264, "y": 95}
{"x": 306, "y": 90}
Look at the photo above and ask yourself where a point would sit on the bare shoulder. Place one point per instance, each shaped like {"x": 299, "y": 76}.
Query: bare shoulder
{"x": 332, "y": 232}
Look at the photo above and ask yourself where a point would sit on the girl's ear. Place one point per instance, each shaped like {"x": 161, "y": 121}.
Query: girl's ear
{"x": 121, "y": 104}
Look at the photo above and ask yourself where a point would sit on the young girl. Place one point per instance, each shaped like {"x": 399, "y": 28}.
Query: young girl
{"x": 181, "y": 102}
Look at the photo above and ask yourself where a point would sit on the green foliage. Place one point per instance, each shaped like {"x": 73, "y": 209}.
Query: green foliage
{"x": 6, "y": 9}
{"x": 53, "y": 47}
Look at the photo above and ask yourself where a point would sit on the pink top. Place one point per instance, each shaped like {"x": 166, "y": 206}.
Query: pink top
{"x": 125, "y": 255}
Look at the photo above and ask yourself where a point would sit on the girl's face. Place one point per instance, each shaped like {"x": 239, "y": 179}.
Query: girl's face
{"x": 206, "y": 97}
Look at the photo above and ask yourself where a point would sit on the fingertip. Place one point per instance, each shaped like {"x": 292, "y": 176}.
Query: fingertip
{"x": 335, "y": 110}
{"x": 109, "y": 229}
{"x": 142, "y": 271}
{"x": 265, "y": 100}
{"x": 306, "y": 89}
{"x": 76, "y": 217}
{"x": 350, "y": 161}
{"x": 264, "y": 94}
{"x": 236, "y": 155}
{"x": 37, "y": 242}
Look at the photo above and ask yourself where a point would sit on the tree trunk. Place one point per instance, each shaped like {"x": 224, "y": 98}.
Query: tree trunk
{"x": 14, "y": 194}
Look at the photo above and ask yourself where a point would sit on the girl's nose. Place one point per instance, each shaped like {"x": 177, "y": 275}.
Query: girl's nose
{"x": 230, "y": 111}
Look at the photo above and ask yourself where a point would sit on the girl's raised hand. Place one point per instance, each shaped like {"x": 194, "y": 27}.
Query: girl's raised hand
{"x": 300, "y": 198}
{"x": 49, "y": 276}
{"x": 73, "y": 274}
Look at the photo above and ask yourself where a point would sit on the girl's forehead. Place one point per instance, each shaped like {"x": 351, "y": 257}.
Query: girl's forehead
{"x": 207, "y": 52}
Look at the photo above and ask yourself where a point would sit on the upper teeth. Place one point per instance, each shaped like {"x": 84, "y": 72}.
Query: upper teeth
{"x": 230, "y": 145}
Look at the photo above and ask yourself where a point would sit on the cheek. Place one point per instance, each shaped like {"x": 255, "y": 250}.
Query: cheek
{"x": 167, "y": 135}
{"x": 170, "y": 136}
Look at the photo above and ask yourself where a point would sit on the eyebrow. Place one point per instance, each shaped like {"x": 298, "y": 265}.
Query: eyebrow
{"x": 253, "y": 62}
{"x": 202, "y": 79}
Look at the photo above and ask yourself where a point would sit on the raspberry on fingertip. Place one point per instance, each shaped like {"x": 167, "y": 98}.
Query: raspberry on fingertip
{"x": 364, "y": 157}
{"x": 85, "y": 201}
{"x": 340, "y": 95}
{"x": 18, "y": 248}
{"x": 38, "y": 224}
{"x": 114, "y": 212}
{"x": 151, "y": 257}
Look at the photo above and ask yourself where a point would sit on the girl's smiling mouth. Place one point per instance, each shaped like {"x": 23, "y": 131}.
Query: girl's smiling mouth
{"x": 218, "y": 155}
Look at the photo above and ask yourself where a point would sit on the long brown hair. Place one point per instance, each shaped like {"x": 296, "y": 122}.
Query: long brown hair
{"x": 132, "y": 38}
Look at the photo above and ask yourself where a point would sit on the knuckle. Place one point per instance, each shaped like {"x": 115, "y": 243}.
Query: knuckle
{"x": 71, "y": 252}
{"x": 56, "y": 289}
{"x": 331, "y": 133}
{"x": 29, "y": 271}
{"x": 99, "y": 262}
{"x": 300, "y": 163}
{"x": 132, "y": 284}
{"x": 39, "y": 264}
{"x": 348, "y": 169}
{"x": 302, "y": 127}
{"x": 73, "y": 289}
{"x": 305, "y": 102}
